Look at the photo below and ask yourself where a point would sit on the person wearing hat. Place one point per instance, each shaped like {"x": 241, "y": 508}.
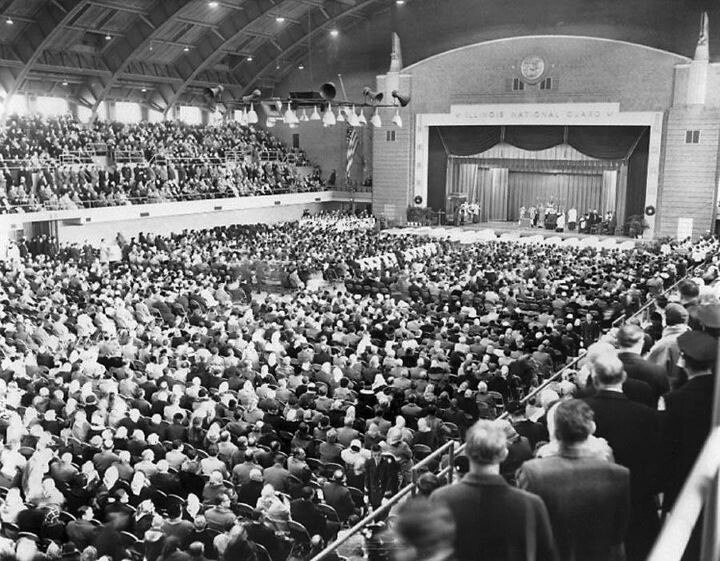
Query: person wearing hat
{"x": 630, "y": 339}
{"x": 688, "y": 412}
{"x": 665, "y": 352}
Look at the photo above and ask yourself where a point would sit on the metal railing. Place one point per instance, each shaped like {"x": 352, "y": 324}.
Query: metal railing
{"x": 454, "y": 450}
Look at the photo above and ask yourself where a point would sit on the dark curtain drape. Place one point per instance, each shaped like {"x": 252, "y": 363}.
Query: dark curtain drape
{"x": 601, "y": 142}
{"x": 534, "y": 138}
{"x": 466, "y": 141}
{"x": 605, "y": 143}
{"x": 637, "y": 176}
{"x": 437, "y": 170}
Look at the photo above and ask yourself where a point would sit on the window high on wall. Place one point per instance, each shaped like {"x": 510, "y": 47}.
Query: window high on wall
{"x": 51, "y": 106}
{"x": 18, "y": 105}
{"x": 127, "y": 112}
{"x": 155, "y": 116}
{"x": 190, "y": 115}
{"x": 84, "y": 114}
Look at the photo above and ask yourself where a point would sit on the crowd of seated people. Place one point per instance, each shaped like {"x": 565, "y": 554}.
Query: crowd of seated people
{"x": 172, "y": 161}
{"x": 148, "y": 412}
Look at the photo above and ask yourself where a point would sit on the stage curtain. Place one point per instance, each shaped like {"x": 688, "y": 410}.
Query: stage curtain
{"x": 498, "y": 202}
{"x": 437, "y": 170}
{"x": 462, "y": 178}
{"x": 622, "y": 185}
{"x": 484, "y": 191}
{"x": 534, "y": 137}
{"x": 637, "y": 176}
{"x": 579, "y": 191}
{"x": 609, "y": 190}
{"x": 604, "y": 142}
{"x": 468, "y": 140}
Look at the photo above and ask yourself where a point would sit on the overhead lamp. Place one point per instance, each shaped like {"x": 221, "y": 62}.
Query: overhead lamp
{"x": 290, "y": 118}
{"x": 361, "y": 118}
{"x": 65, "y": 83}
{"x": 9, "y": 21}
{"x": 186, "y": 49}
{"x": 400, "y": 2}
{"x": 280, "y": 19}
{"x": 213, "y": 4}
{"x": 252, "y": 116}
{"x": 352, "y": 118}
{"x": 334, "y": 33}
{"x": 301, "y": 66}
{"x": 108, "y": 37}
{"x": 397, "y": 119}
{"x": 143, "y": 90}
{"x": 315, "y": 116}
{"x": 249, "y": 59}
{"x": 376, "y": 120}
{"x": 329, "y": 117}
{"x": 340, "y": 117}
{"x": 244, "y": 117}
{"x": 304, "y": 117}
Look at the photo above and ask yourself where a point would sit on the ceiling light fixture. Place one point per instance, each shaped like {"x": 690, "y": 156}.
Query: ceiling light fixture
{"x": 213, "y": 4}
{"x": 400, "y": 2}
{"x": 280, "y": 19}
{"x": 329, "y": 117}
{"x": 252, "y": 116}
{"x": 143, "y": 90}
{"x": 249, "y": 59}
{"x": 376, "y": 120}
{"x": 9, "y": 21}
{"x": 186, "y": 49}
{"x": 108, "y": 37}
{"x": 65, "y": 83}
{"x": 301, "y": 66}
{"x": 334, "y": 33}
{"x": 397, "y": 119}
{"x": 315, "y": 116}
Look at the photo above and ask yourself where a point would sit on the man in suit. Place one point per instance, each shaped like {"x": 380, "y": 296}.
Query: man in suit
{"x": 494, "y": 520}
{"x": 338, "y": 496}
{"x": 304, "y": 511}
{"x": 377, "y": 476}
{"x": 630, "y": 341}
{"x": 633, "y": 432}
{"x": 588, "y": 498}
{"x": 687, "y": 417}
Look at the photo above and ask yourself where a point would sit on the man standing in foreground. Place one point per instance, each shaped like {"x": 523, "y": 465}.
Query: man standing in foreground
{"x": 588, "y": 499}
{"x": 494, "y": 520}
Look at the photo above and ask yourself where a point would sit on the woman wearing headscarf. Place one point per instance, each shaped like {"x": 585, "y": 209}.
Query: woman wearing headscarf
{"x": 11, "y": 506}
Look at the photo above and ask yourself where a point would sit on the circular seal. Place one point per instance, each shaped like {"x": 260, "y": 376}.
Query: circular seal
{"x": 532, "y": 67}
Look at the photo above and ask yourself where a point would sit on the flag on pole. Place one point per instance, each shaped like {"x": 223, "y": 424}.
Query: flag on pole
{"x": 352, "y": 138}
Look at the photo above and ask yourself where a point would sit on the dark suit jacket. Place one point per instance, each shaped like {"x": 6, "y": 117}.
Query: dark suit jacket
{"x": 377, "y": 479}
{"x": 638, "y": 368}
{"x": 637, "y": 391}
{"x": 633, "y": 432}
{"x": 588, "y": 501}
{"x": 685, "y": 426}
{"x": 339, "y": 497}
{"x": 308, "y": 515}
{"x": 497, "y": 522}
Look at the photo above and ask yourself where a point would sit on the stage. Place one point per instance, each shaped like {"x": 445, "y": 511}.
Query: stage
{"x": 504, "y": 230}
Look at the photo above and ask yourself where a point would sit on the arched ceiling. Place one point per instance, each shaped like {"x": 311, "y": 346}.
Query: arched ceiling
{"x": 162, "y": 52}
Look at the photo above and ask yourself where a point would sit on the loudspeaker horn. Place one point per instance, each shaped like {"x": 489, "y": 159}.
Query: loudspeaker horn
{"x": 374, "y": 96}
{"x": 251, "y": 96}
{"x": 214, "y": 94}
{"x": 403, "y": 100}
{"x": 328, "y": 91}
{"x": 418, "y": 199}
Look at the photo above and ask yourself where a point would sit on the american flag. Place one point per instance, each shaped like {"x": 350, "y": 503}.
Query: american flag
{"x": 352, "y": 138}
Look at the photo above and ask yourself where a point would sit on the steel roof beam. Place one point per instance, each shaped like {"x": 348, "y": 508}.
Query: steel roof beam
{"x": 39, "y": 35}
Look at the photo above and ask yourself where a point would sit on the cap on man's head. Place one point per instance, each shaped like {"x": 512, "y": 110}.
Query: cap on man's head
{"x": 698, "y": 346}
{"x": 675, "y": 314}
{"x": 355, "y": 444}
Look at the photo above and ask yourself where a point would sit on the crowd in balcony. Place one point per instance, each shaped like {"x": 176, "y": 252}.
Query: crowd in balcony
{"x": 161, "y": 401}
{"x": 46, "y": 163}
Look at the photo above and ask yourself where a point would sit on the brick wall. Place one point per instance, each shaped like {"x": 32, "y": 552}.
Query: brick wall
{"x": 689, "y": 178}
